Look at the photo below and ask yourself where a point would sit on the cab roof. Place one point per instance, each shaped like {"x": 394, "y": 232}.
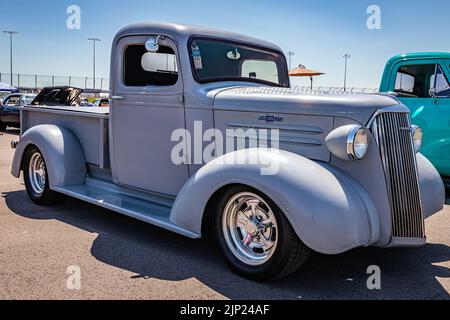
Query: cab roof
{"x": 182, "y": 33}
{"x": 418, "y": 56}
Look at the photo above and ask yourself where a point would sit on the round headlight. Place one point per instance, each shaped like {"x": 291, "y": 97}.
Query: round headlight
{"x": 417, "y": 137}
{"x": 357, "y": 143}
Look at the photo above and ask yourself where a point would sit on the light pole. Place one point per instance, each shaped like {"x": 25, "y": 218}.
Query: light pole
{"x": 94, "y": 40}
{"x": 290, "y": 54}
{"x": 11, "y": 34}
{"x": 346, "y": 57}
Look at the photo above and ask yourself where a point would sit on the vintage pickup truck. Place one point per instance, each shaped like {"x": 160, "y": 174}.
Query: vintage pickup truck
{"x": 348, "y": 172}
{"x": 421, "y": 82}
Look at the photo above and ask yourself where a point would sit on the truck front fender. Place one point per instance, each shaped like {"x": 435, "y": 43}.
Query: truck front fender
{"x": 329, "y": 210}
{"x": 431, "y": 187}
{"x": 63, "y": 155}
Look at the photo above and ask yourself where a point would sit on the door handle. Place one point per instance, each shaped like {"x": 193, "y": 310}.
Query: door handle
{"x": 116, "y": 98}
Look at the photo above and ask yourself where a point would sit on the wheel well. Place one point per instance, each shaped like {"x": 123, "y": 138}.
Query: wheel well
{"x": 208, "y": 213}
{"x": 25, "y": 153}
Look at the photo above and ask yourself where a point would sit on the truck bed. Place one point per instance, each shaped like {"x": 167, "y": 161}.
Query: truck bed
{"x": 89, "y": 125}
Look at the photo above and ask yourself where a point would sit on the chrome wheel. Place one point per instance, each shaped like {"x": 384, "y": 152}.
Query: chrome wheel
{"x": 250, "y": 228}
{"x": 37, "y": 173}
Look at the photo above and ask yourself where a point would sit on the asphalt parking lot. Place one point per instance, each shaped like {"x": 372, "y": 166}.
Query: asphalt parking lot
{"x": 121, "y": 258}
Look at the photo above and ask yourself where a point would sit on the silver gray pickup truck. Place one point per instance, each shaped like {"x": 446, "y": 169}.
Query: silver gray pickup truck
{"x": 346, "y": 171}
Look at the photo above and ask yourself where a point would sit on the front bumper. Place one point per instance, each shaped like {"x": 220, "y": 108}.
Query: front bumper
{"x": 407, "y": 242}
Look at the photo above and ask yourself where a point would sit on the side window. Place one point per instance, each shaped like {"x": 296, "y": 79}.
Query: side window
{"x": 27, "y": 100}
{"x": 415, "y": 80}
{"x": 13, "y": 101}
{"x": 404, "y": 83}
{"x": 143, "y": 68}
{"x": 440, "y": 83}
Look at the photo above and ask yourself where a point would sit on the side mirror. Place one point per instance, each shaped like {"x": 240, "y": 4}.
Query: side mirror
{"x": 152, "y": 44}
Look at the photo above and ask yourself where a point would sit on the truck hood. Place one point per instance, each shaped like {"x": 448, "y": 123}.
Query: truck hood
{"x": 278, "y": 101}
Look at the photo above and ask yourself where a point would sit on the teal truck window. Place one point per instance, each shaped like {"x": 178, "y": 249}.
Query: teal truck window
{"x": 415, "y": 81}
{"x": 440, "y": 83}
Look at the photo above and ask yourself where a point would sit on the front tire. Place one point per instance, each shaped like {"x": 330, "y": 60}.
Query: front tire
{"x": 36, "y": 178}
{"x": 255, "y": 236}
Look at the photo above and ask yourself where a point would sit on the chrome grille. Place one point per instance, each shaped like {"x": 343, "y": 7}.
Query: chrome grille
{"x": 392, "y": 130}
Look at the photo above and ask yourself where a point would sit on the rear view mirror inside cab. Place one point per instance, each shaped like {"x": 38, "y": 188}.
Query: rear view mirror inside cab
{"x": 159, "y": 62}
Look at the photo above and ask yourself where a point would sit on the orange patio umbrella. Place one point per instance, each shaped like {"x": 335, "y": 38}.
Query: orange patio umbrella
{"x": 302, "y": 71}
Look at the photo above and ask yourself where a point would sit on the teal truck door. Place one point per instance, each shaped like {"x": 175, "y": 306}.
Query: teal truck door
{"x": 426, "y": 95}
{"x": 441, "y": 93}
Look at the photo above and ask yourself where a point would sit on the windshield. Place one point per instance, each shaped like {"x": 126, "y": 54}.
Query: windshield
{"x": 219, "y": 60}
{"x": 28, "y": 99}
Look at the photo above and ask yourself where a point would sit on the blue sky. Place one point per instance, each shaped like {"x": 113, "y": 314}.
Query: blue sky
{"x": 319, "y": 31}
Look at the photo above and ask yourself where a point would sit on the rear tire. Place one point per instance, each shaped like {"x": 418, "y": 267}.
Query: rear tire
{"x": 256, "y": 238}
{"x": 36, "y": 178}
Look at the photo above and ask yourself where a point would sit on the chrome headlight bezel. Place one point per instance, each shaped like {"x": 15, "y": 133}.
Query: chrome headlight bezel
{"x": 417, "y": 137}
{"x": 355, "y": 133}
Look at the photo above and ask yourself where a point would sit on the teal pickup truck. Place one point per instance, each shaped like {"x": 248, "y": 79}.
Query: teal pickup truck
{"x": 421, "y": 82}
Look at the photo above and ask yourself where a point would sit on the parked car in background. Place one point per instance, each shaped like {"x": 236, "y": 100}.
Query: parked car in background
{"x": 101, "y": 103}
{"x": 85, "y": 103}
{"x": 348, "y": 171}
{"x": 10, "y": 109}
{"x": 58, "y": 96}
{"x": 421, "y": 82}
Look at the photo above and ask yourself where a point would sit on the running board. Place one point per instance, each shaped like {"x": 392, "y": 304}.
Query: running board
{"x": 154, "y": 210}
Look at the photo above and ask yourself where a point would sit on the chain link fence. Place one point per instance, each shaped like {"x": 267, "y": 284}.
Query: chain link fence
{"x": 333, "y": 90}
{"x": 34, "y": 83}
